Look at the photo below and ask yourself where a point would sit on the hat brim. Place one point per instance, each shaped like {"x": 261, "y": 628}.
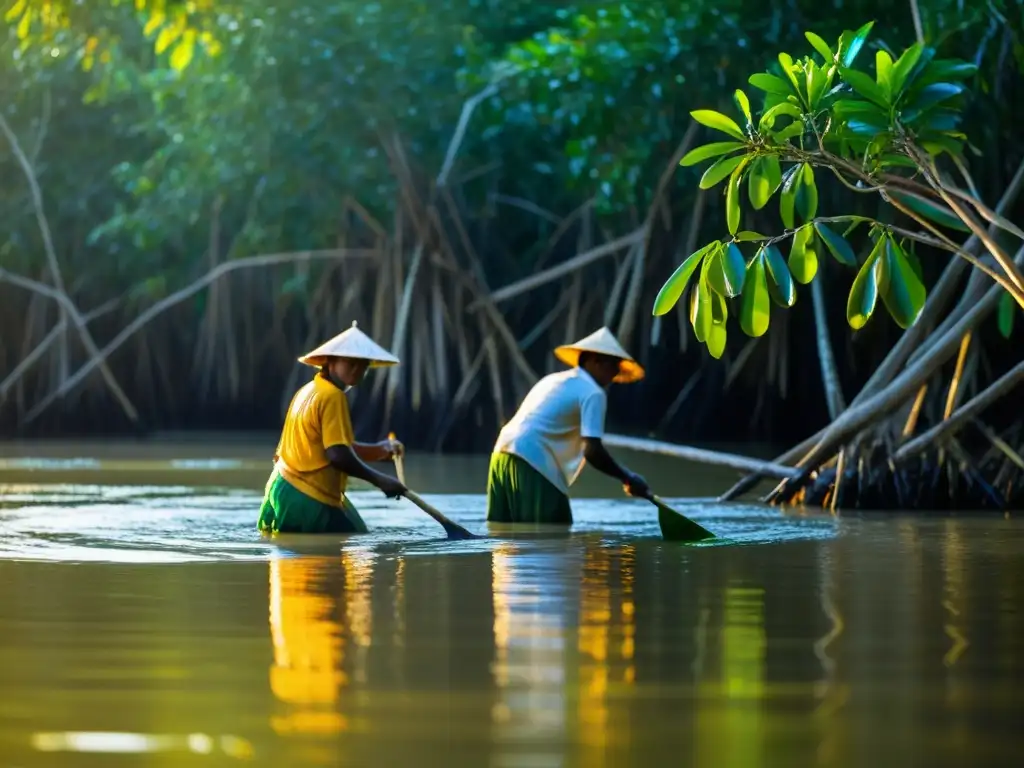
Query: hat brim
{"x": 319, "y": 361}
{"x": 630, "y": 370}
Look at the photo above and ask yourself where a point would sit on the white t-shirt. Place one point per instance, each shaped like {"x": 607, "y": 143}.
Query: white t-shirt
{"x": 548, "y": 429}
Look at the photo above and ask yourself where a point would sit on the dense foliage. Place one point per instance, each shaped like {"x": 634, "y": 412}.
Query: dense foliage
{"x": 168, "y": 135}
{"x": 879, "y": 135}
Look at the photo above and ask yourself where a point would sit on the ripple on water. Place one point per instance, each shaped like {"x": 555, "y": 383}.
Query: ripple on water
{"x": 179, "y": 524}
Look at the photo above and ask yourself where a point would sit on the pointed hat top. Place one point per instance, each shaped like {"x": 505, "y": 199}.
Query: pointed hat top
{"x": 351, "y": 343}
{"x": 603, "y": 342}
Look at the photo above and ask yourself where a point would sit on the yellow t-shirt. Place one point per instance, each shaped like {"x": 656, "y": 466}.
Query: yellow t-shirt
{"x": 318, "y": 418}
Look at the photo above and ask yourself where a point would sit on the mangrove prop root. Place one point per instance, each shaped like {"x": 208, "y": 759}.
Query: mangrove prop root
{"x": 937, "y": 479}
{"x": 909, "y": 347}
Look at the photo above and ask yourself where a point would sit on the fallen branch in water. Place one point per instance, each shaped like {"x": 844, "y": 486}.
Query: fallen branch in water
{"x": 701, "y": 456}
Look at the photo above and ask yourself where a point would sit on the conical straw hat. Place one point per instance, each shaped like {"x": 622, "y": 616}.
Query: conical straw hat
{"x": 603, "y": 342}
{"x": 351, "y": 343}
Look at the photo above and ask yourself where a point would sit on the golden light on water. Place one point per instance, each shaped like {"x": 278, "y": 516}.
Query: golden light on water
{"x": 308, "y": 649}
{"x": 123, "y": 743}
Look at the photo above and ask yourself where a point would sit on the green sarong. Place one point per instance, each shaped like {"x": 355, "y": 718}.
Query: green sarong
{"x": 286, "y": 509}
{"x": 518, "y": 493}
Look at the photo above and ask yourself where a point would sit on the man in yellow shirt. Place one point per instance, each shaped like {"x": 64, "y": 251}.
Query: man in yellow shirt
{"x": 318, "y": 451}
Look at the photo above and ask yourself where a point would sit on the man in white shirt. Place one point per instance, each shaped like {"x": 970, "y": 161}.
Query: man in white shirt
{"x": 558, "y": 428}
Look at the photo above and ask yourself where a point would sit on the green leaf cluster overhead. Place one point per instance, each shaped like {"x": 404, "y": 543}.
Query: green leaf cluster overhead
{"x": 821, "y": 115}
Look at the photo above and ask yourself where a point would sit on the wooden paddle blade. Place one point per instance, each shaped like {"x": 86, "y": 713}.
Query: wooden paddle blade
{"x": 456, "y": 532}
{"x": 675, "y": 526}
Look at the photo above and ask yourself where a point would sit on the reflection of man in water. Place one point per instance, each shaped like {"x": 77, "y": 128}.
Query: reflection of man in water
{"x": 308, "y": 648}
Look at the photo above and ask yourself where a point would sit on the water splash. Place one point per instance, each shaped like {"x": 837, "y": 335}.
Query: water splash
{"x": 179, "y": 524}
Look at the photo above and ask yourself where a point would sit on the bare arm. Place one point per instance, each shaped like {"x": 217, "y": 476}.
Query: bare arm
{"x": 371, "y": 452}
{"x": 345, "y": 458}
{"x": 598, "y": 457}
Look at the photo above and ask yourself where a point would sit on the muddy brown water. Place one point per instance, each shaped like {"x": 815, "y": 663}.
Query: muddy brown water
{"x": 144, "y": 622}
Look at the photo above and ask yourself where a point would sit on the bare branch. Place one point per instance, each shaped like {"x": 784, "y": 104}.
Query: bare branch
{"x": 51, "y": 256}
{"x": 573, "y": 264}
{"x": 40, "y": 349}
{"x": 166, "y": 303}
{"x": 962, "y": 415}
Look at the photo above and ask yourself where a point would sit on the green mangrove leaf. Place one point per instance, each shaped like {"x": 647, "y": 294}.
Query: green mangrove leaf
{"x": 781, "y": 286}
{"x": 861, "y": 111}
{"x": 935, "y": 144}
{"x": 732, "y": 200}
{"x": 821, "y": 47}
{"x": 719, "y": 122}
{"x": 932, "y": 95}
{"x": 747, "y": 236}
{"x": 716, "y": 340}
{"x": 789, "y": 70}
{"x": 727, "y": 271}
{"x": 902, "y": 290}
{"x": 787, "y": 200}
{"x": 744, "y": 105}
{"x": 791, "y": 131}
{"x": 915, "y": 263}
{"x": 837, "y": 245}
{"x": 939, "y": 214}
{"x": 708, "y": 151}
{"x": 903, "y": 67}
{"x": 850, "y": 43}
{"x": 803, "y": 260}
{"x": 944, "y": 70}
{"x": 817, "y": 81}
{"x": 938, "y": 120}
{"x": 786, "y": 205}
{"x": 883, "y": 72}
{"x": 807, "y": 194}
{"x": 673, "y": 288}
{"x": 765, "y": 177}
{"x": 786, "y": 108}
{"x": 866, "y": 87}
{"x": 719, "y": 309}
{"x": 864, "y": 293}
{"x": 714, "y": 273}
{"x": 1007, "y": 309}
{"x": 700, "y": 309}
{"x": 755, "y": 305}
{"x": 770, "y": 84}
{"x": 735, "y": 267}
{"x": 722, "y": 168}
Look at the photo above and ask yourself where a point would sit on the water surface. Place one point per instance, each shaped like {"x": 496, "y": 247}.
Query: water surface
{"x": 144, "y": 622}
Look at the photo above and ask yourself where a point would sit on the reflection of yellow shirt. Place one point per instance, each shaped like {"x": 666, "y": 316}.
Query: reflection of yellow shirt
{"x": 308, "y": 648}
{"x": 317, "y": 419}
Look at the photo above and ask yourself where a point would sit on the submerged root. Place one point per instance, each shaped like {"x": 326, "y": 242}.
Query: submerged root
{"x": 941, "y": 479}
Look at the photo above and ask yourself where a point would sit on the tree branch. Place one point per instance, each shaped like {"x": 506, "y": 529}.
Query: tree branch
{"x": 166, "y": 303}
{"x": 962, "y": 415}
{"x": 40, "y": 349}
{"x": 51, "y": 257}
